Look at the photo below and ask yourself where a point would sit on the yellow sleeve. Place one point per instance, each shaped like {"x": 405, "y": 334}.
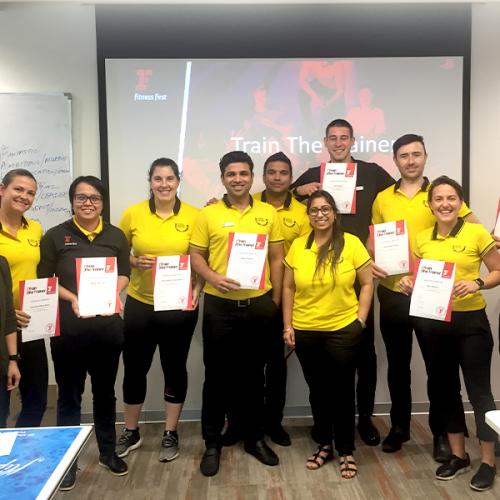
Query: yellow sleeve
{"x": 360, "y": 256}
{"x": 376, "y": 211}
{"x": 200, "y": 236}
{"x": 305, "y": 226}
{"x": 464, "y": 211}
{"x": 275, "y": 236}
{"x": 125, "y": 224}
{"x": 290, "y": 256}
{"x": 485, "y": 242}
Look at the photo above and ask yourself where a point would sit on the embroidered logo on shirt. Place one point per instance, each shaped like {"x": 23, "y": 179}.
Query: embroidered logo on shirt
{"x": 261, "y": 221}
{"x": 182, "y": 228}
{"x": 34, "y": 243}
{"x": 68, "y": 241}
{"x": 288, "y": 222}
{"x": 458, "y": 248}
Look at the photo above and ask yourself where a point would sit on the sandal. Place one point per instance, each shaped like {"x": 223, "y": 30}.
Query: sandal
{"x": 348, "y": 469}
{"x": 323, "y": 454}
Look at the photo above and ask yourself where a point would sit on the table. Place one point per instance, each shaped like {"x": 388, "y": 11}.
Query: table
{"x": 493, "y": 419}
{"x": 39, "y": 460}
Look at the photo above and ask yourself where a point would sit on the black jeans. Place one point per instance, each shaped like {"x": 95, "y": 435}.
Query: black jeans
{"x": 233, "y": 353}
{"x": 33, "y": 384}
{"x": 466, "y": 342}
{"x": 145, "y": 329}
{"x": 329, "y": 361}
{"x": 93, "y": 347}
{"x": 275, "y": 373}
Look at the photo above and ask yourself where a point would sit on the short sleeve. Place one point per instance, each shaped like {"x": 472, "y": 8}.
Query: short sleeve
{"x": 360, "y": 255}
{"x": 200, "y": 237}
{"x": 123, "y": 256}
{"x": 48, "y": 256}
{"x": 125, "y": 225}
{"x": 290, "y": 256}
{"x": 376, "y": 211}
{"x": 305, "y": 226}
{"x": 485, "y": 242}
{"x": 276, "y": 235}
{"x": 384, "y": 179}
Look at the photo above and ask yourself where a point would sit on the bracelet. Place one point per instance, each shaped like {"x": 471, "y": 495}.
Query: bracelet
{"x": 289, "y": 329}
{"x": 363, "y": 324}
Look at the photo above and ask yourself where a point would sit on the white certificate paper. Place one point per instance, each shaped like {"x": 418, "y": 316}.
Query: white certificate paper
{"x": 247, "y": 256}
{"x": 40, "y": 299}
{"x": 433, "y": 288}
{"x": 97, "y": 284}
{"x": 172, "y": 283}
{"x": 339, "y": 179}
{"x": 496, "y": 232}
{"x": 391, "y": 247}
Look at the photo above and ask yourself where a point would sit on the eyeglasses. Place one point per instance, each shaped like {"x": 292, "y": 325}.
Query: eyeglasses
{"x": 325, "y": 210}
{"x": 95, "y": 199}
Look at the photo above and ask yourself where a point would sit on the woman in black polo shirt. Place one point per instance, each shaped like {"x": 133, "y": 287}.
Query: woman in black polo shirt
{"x": 86, "y": 344}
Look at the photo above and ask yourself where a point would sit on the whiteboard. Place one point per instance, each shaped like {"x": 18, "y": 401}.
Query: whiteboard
{"x": 35, "y": 134}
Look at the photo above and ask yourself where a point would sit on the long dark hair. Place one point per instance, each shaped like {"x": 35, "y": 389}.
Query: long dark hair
{"x": 332, "y": 248}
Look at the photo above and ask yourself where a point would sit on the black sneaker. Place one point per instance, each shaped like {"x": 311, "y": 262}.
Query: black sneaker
{"x": 114, "y": 464}
{"x": 453, "y": 468}
{"x": 484, "y": 478}
{"x": 441, "y": 450}
{"x": 169, "y": 449}
{"x": 68, "y": 483}
{"x": 129, "y": 440}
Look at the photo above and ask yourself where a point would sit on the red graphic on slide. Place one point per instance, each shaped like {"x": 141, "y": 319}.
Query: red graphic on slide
{"x": 143, "y": 77}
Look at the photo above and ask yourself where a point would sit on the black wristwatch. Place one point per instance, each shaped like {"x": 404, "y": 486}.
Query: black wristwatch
{"x": 480, "y": 283}
{"x": 14, "y": 357}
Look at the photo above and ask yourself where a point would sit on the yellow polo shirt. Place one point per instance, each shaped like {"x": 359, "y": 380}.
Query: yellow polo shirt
{"x": 22, "y": 252}
{"x": 392, "y": 204}
{"x": 293, "y": 218}
{"x": 150, "y": 234}
{"x": 211, "y": 232}
{"x": 465, "y": 245}
{"x": 322, "y": 304}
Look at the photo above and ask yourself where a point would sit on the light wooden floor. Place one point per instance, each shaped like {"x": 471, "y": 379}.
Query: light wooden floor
{"x": 408, "y": 474}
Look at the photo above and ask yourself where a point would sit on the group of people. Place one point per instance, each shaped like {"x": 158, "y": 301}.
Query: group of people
{"x": 316, "y": 297}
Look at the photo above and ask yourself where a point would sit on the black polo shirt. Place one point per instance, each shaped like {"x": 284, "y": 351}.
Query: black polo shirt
{"x": 62, "y": 244}
{"x": 371, "y": 179}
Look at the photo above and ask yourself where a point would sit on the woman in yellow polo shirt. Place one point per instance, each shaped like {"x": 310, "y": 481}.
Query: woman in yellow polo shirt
{"x": 466, "y": 341}
{"x": 159, "y": 226}
{"x": 20, "y": 245}
{"x": 324, "y": 321}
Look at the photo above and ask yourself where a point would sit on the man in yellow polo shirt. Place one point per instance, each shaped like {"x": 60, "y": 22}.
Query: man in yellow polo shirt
{"x": 407, "y": 199}
{"x": 235, "y": 319}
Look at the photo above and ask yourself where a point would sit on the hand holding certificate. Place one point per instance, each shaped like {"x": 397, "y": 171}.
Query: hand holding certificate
{"x": 391, "y": 247}
{"x": 433, "y": 288}
{"x": 172, "y": 283}
{"x": 339, "y": 179}
{"x": 247, "y": 259}
{"x": 97, "y": 284}
{"x": 40, "y": 300}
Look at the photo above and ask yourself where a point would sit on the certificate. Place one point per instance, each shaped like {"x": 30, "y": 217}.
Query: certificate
{"x": 172, "y": 283}
{"x": 247, "y": 256}
{"x": 97, "y": 284}
{"x": 339, "y": 179}
{"x": 433, "y": 289}
{"x": 496, "y": 232}
{"x": 40, "y": 299}
{"x": 391, "y": 247}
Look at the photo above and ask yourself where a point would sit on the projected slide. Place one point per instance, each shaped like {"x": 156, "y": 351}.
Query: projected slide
{"x": 196, "y": 110}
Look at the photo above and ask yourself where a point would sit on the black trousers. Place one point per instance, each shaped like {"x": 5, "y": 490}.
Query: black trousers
{"x": 275, "y": 372}
{"x": 233, "y": 353}
{"x": 93, "y": 346}
{"x": 467, "y": 343}
{"x": 329, "y": 360}
{"x": 4, "y": 401}
{"x": 146, "y": 329}
{"x": 33, "y": 384}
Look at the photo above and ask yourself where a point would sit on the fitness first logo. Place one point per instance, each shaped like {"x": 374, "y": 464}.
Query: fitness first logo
{"x": 142, "y": 87}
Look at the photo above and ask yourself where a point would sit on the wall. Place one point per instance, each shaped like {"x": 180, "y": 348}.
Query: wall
{"x": 57, "y": 52}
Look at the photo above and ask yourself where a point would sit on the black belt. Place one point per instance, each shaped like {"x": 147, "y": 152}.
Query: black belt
{"x": 236, "y": 304}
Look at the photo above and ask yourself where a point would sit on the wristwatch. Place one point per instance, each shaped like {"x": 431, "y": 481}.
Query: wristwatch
{"x": 14, "y": 357}
{"x": 362, "y": 323}
{"x": 480, "y": 283}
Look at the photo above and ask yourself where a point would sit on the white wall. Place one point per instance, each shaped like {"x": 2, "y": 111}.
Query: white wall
{"x": 52, "y": 47}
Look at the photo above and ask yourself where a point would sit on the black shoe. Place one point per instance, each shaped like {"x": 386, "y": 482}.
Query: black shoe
{"x": 394, "y": 441}
{"x": 68, "y": 483}
{"x": 453, "y": 468}
{"x": 232, "y": 436}
{"x": 368, "y": 432}
{"x": 278, "y": 435}
{"x": 114, "y": 464}
{"x": 209, "y": 464}
{"x": 261, "y": 451}
{"x": 483, "y": 479}
{"x": 441, "y": 449}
